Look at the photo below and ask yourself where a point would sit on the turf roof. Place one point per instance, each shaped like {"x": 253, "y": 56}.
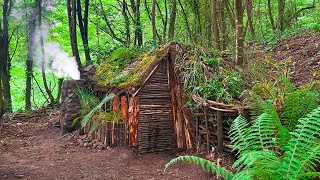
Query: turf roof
{"x": 128, "y": 67}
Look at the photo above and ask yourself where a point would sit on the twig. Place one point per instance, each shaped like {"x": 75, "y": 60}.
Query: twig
{"x": 40, "y": 88}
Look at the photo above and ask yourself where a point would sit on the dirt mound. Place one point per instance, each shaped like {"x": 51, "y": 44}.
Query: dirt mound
{"x": 304, "y": 53}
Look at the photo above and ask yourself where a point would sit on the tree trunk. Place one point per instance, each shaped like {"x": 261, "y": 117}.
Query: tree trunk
{"x": 153, "y": 20}
{"x": 1, "y": 100}
{"x": 172, "y": 19}
{"x": 60, "y": 81}
{"x": 135, "y": 6}
{"x": 186, "y": 20}
{"x": 239, "y": 31}
{"x": 30, "y": 28}
{"x": 214, "y": 24}
{"x": 281, "y": 7}
{"x": 270, "y": 15}
{"x": 111, "y": 32}
{"x": 230, "y": 14}
{"x": 138, "y": 25}
{"x": 250, "y": 19}
{"x": 83, "y": 26}
{"x": 72, "y": 21}
{"x": 127, "y": 22}
{"x": 43, "y": 57}
{"x": 223, "y": 26}
{"x": 5, "y": 60}
{"x": 165, "y": 21}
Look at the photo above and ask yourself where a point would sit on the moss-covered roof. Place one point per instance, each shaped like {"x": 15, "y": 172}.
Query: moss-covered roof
{"x": 128, "y": 67}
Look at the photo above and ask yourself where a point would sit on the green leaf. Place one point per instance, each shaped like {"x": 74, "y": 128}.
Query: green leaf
{"x": 89, "y": 115}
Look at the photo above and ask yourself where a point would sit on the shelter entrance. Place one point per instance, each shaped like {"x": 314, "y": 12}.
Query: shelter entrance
{"x": 155, "y": 125}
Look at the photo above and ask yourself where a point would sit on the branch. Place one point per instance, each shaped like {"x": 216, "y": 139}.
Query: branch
{"x": 113, "y": 35}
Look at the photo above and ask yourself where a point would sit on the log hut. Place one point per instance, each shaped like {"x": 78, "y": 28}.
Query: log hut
{"x": 149, "y": 96}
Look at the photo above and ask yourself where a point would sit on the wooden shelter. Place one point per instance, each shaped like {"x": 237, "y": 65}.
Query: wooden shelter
{"x": 149, "y": 96}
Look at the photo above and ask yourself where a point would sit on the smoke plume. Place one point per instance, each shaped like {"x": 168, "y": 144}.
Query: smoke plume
{"x": 57, "y": 61}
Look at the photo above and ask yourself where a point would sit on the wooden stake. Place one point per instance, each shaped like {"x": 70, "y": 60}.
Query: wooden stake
{"x": 207, "y": 129}
{"x": 219, "y": 132}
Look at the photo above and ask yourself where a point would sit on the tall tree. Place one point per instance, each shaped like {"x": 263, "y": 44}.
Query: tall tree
{"x": 43, "y": 55}
{"x": 72, "y": 21}
{"x": 135, "y": 6}
{"x": 30, "y": 29}
{"x": 4, "y": 56}
{"x": 172, "y": 19}
{"x": 223, "y": 25}
{"x": 281, "y": 8}
{"x": 110, "y": 29}
{"x": 214, "y": 24}
{"x": 83, "y": 26}
{"x": 1, "y": 100}
{"x": 153, "y": 20}
{"x": 186, "y": 19}
{"x": 270, "y": 15}
{"x": 249, "y": 5}
{"x": 239, "y": 31}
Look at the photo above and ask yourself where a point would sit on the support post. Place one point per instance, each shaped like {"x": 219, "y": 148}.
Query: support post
{"x": 207, "y": 128}
{"x": 219, "y": 132}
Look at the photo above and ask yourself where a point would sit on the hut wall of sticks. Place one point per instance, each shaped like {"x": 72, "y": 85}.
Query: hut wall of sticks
{"x": 150, "y": 101}
{"x": 150, "y": 110}
{"x": 213, "y": 121}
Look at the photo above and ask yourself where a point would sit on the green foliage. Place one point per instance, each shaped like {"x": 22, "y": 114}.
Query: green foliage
{"x": 223, "y": 87}
{"x": 258, "y": 154}
{"x": 87, "y": 117}
{"x": 87, "y": 100}
{"x": 205, "y": 164}
{"x": 282, "y": 140}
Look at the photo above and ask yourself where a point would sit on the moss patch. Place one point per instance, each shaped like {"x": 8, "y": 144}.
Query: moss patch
{"x": 116, "y": 71}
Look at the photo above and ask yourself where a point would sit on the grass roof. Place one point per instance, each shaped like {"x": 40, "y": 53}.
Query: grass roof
{"x": 127, "y": 67}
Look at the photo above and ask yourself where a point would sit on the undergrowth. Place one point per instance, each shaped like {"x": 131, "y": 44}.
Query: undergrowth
{"x": 281, "y": 142}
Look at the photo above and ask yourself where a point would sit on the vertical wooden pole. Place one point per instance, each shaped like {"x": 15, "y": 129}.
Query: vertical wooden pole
{"x": 197, "y": 129}
{"x": 219, "y": 131}
{"x": 207, "y": 128}
{"x": 124, "y": 108}
{"x": 133, "y": 121}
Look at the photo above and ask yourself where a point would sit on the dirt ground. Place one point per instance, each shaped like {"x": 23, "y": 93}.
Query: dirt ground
{"x": 304, "y": 53}
{"x": 36, "y": 150}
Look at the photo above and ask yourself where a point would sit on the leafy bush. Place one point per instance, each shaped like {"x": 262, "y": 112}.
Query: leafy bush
{"x": 225, "y": 88}
{"x": 87, "y": 117}
{"x": 282, "y": 142}
{"x": 258, "y": 155}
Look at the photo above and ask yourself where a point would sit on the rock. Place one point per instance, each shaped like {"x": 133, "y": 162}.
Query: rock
{"x": 85, "y": 144}
{"x": 100, "y": 147}
{"x": 81, "y": 144}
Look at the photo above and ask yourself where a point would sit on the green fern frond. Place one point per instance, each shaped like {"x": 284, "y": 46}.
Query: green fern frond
{"x": 87, "y": 117}
{"x": 205, "y": 164}
{"x": 297, "y": 103}
{"x": 238, "y": 133}
{"x": 94, "y": 126}
{"x": 302, "y": 143}
{"x": 261, "y": 135}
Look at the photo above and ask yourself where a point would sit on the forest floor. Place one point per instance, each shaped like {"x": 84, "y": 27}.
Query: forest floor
{"x": 34, "y": 149}
{"x": 299, "y": 56}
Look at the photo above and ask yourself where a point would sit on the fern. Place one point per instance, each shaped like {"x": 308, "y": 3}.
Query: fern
{"x": 205, "y": 164}
{"x": 301, "y": 150}
{"x": 239, "y": 131}
{"x": 262, "y": 133}
{"x": 257, "y": 165}
{"x": 87, "y": 117}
